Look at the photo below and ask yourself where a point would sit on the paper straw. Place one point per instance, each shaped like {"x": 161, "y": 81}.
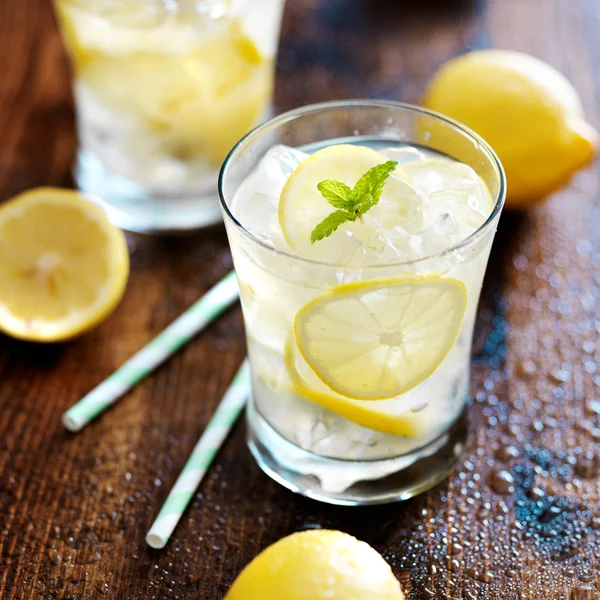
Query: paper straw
{"x": 201, "y": 458}
{"x": 193, "y": 320}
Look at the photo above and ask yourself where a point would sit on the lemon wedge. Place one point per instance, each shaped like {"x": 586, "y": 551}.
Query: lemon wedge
{"x": 63, "y": 265}
{"x": 302, "y": 207}
{"x": 526, "y": 110}
{"x": 320, "y": 565}
{"x": 388, "y": 416}
{"x": 373, "y": 340}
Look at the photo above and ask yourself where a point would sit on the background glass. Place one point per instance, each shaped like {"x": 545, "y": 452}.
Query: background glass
{"x": 163, "y": 89}
{"x": 275, "y": 286}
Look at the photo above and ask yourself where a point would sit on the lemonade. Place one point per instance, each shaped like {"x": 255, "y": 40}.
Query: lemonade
{"x": 163, "y": 89}
{"x": 360, "y": 261}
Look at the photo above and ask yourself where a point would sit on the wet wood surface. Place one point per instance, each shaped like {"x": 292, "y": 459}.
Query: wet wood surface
{"x": 519, "y": 519}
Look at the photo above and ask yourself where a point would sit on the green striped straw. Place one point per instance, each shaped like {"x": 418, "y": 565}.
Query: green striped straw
{"x": 202, "y": 456}
{"x": 193, "y": 320}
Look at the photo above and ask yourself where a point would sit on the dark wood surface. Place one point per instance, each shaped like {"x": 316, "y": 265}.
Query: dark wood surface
{"x": 74, "y": 509}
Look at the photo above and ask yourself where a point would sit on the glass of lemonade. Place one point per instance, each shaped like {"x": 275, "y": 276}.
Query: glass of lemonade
{"x": 359, "y": 337}
{"x": 163, "y": 89}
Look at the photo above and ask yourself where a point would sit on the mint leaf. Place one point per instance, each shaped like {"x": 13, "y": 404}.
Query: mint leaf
{"x": 371, "y": 183}
{"x": 364, "y": 204}
{"x": 335, "y": 192}
{"x": 351, "y": 203}
{"x": 329, "y": 224}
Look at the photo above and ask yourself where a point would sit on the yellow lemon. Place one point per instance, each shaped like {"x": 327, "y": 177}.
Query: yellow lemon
{"x": 302, "y": 207}
{"x": 527, "y": 111}
{"x": 389, "y": 416}
{"x": 373, "y": 340}
{"x": 317, "y": 565}
{"x": 63, "y": 265}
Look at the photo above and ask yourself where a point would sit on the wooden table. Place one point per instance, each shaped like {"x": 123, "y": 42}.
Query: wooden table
{"x": 74, "y": 509}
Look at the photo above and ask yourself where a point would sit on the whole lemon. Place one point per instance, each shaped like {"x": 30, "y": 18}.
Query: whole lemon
{"x": 526, "y": 110}
{"x": 317, "y": 565}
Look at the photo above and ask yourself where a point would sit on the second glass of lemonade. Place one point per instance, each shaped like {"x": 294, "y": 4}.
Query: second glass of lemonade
{"x": 360, "y": 234}
{"x": 163, "y": 89}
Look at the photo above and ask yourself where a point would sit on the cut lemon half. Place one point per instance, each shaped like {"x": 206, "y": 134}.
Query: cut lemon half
{"x": 302, "y": 207}
{"x": 388, "y": 416}
{"x": 373, "y": 340}
{"x": 63, "y": 265}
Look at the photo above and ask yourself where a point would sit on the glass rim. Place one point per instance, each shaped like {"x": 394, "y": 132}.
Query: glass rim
{"x": 363, "y": 103}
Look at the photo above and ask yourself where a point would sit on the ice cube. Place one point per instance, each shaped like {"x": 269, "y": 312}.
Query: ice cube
{"x": 442, "y": 174}
{"x": 469, "y": 219}
{"x": 400, "y": 205}
{"x": 286, "y": 159}
{"x": 382, "y": 248}
{"x": 444, "y": 233}
{"x": 359, "y": 245}
{"x": 256, "y": 201}
{"x": 450, "y": 188}
{"x": 333, "y": 435}
{"x": 403, "y": 154}
{"x": 132, "y": 14}
{"x": 310, "y": 431}
{"x": 381, "y": 235}
{"x": 407, "y": 245}
{"x": 343, "y": 248}
{"x": 443, "y": 181}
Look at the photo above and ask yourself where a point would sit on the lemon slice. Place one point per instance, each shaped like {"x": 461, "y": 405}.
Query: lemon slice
{"x": 302, "y": 207}
{"x": 388, "y": 416}
{"x": 63, "y": 266}
{"x": 373, "y": 340}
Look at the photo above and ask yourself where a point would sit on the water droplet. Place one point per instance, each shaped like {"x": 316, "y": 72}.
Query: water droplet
{"x": 592, "y": 407}
{"x": 536, "y": 493}
{"x": 587, "y": 465}
{"x": 560, "y": 376}
{"x": 537, "y": 425}
{"x": 526, "y": 368}
{"x": 483, "y": 576}
{"x": 548, "y": 514}
{"x": 507, "y": 452}
{"x": 501, "y": 482}
{"x": 584, "y": 426}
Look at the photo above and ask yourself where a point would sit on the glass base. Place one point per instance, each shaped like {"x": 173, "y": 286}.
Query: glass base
{"x": 131, "y": 206}
{"x": 354, "y": 482}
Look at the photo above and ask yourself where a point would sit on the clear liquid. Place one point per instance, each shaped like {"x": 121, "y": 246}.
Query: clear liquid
{"x": 275, "y": 288}
{"x": 163, "y": 91}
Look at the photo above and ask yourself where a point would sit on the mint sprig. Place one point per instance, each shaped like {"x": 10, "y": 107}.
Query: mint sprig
{"x": 351, "y": 203}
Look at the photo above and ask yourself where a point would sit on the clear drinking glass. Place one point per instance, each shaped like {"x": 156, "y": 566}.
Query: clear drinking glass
{"x": 309, "y": 438}
{"x": 163, "y": 89}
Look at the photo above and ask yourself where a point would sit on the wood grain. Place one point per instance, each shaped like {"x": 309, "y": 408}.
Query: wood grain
{"x": 74, "y": 509}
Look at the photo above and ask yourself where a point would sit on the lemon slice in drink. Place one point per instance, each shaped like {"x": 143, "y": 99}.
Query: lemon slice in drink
{"x": 373, "y": 340}
{"x": 302, "y": 207}
{"x": 388, "y": 416}
{"x": 63, "y": 265}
